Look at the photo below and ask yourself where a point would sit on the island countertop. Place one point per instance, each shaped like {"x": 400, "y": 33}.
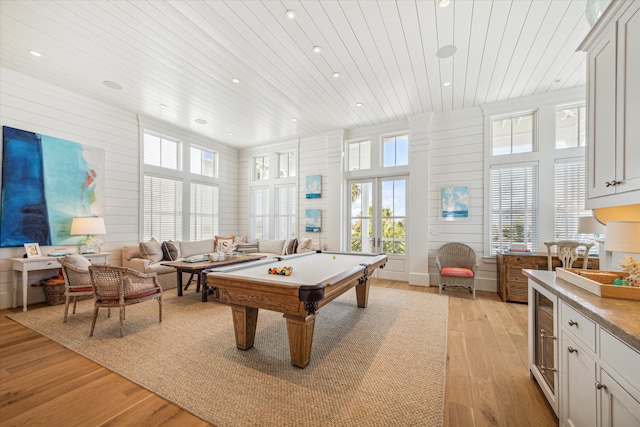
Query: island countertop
{"x": 621, "y": 317}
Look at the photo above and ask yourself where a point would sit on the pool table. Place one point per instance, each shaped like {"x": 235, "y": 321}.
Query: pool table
{"x": 317, "y": 279}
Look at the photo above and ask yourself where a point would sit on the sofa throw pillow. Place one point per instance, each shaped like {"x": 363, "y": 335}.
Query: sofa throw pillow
{"x": 247, "y": 248}
{"x": 226, "y": 242}
{"x": 304, "y": 245}
{"x": 271, "y": 246}
{"x": 170, "y": 251}
{"x": 78, "y": 261}
{"x": 291, "y": 246}
{"x": 151, "y": 250}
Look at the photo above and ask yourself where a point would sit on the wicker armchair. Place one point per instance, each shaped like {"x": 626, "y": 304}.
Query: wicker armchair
{"x": 77, "y": 284}
{"x": 568, "y": 253}
{"x": 120, "y": 287}
{"x": 457, "y": 266}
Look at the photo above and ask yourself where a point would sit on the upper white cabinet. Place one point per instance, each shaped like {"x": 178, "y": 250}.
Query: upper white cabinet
{"x": 613, "y": 104}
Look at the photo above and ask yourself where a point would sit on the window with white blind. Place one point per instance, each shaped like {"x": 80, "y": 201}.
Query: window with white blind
{"x": 260, "y": 212}
{"x": 162, "y": 208}
{"x": 180, "y": 189}
{"x": 570, "y": 194}
{"x": 513, "y": 198}
{"x": 285, "y": 211}
{"x": 204, "y": 213}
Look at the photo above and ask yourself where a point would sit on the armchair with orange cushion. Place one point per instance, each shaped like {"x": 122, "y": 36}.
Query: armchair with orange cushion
{"x": 457, "y": 265}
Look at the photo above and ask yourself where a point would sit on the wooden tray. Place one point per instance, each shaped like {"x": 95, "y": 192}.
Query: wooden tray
{"x": 602, "y": 290}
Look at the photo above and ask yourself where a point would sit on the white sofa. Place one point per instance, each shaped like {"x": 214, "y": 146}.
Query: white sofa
{"x": 133, "y": 258}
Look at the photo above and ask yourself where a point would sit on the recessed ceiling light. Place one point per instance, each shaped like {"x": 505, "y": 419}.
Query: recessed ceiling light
{"x": 359, "y": 104}
{"x": 557, "y": 81}
{"x": 446, "y": 51}
{"x": 201, "y": 121}
{"x": 112, "y": 85}
{"x": 317, "y": 49}
{"x": 443, "y": 3}
{"x": 446, "y": 84}
{"x": 336, "y": 74}
{"x": 235, "y": 80}
{"x": 291, "y": 14}
{"x": 230, "y": 134}
{"x": 34, "y": 53}
{"x": 163, "y": 106}
{"x": 294, "y": 120}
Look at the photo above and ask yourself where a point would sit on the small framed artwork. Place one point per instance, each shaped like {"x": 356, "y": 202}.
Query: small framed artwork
{"x": 33, "y": 250}
{"x": 314, "y": 187}
{"x": 454, "y": 202}
{"x": 313, "y": 223}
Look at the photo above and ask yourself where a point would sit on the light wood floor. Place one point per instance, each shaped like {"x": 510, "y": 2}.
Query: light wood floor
{"x": 42, "y": 383}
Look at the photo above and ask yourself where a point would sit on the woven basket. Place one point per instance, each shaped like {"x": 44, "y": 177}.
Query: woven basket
{"x": 53, "y": 291}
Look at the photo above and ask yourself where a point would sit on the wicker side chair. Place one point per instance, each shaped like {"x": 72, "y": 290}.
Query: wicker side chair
{"x": 77, "y": 284}
{"x": 568, "y": 253}
{"x": 457, "y": 264}
{"x": 121, "y": 286}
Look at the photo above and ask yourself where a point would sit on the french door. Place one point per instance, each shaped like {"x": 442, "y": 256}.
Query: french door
{"x": 378, "y": 221}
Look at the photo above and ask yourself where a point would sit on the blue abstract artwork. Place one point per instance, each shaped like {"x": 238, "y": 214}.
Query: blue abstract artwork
{"x": 46, "y": 182}
{"x": 314, "y": 187}
{"x": 313, "y": 223}
{"x": 455, "y": 202}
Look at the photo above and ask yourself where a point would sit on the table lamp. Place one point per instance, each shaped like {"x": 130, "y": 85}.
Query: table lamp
{"x": 589, "y": 225}
{"x": 89, "y": 227}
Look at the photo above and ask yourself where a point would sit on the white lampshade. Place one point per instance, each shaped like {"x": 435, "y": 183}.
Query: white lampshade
{"x": 87, "y": 226}
{"x": 589, "y": 225}
{"x": 623, "y": 236}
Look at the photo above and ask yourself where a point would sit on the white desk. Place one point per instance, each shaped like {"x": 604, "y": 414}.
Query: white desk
{"x": 25, "y": 265}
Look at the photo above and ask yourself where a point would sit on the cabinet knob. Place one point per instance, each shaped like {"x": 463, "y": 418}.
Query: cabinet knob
{"x": 599, "y": 385}
{"x": 573, "y": 323}
{"x": 574, "y": 350}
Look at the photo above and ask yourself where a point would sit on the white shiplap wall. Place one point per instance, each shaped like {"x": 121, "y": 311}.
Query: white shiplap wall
{"x": 456, "y": 157}
{"x": 36, "y": 106}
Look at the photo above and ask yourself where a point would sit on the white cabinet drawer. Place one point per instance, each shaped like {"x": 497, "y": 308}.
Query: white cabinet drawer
{"x": 620, "y": 357}
{"x": 578, "y": 324}
{"x": 43, "y": 265}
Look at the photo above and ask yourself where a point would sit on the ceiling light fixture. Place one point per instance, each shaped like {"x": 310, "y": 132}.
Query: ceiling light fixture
{"x": 359, "y": 104}
{"x": 201, "y": 121}
{"x": 336, "y": 75}
{"x": 291, "y": 14}
{"x": 317, "y": 49}
{"x": 163, "y": 106}
{"x": 294, "y": 120}
{"x": 112, "y": 85}
{"x": 230, "y": 134}
{"x": 446, "y": 84}
{"x": 443, "y": 3}
{"x": 446, "y": 51}
{"x": 235, "y": 80}
{"x": 34, "y": 53}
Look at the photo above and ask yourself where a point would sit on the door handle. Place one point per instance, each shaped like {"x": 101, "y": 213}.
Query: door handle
{"x": 543, "y": 362}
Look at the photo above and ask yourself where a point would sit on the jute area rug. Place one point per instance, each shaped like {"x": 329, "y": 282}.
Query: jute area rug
{"x": 379, "y": 366}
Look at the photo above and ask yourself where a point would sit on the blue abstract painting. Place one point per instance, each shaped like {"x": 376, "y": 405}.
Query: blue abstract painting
{"x": 314, "y": 187}
{"x": 455, "y": 202}
{"x": 46, "y": 182}
{"x": 313, "y": 223}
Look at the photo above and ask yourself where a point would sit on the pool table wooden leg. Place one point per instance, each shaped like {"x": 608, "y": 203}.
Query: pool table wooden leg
{"x": 300, "y": 331}
{"x": 362, "y": 294}
{"x": 245, "y": 320}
